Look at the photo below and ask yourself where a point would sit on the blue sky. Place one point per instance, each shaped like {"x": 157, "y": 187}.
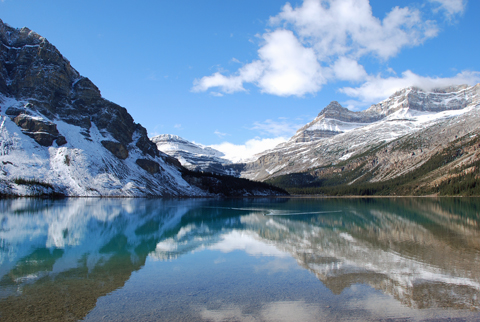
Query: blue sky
{"x": 243, "y": 75}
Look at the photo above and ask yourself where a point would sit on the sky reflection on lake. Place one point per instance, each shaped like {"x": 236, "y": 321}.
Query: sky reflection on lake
{"x": 241, "y": 260}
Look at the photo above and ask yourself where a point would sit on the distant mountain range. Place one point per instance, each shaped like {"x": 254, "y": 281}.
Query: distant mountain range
{"x": 58, "y": 136}
{"x": 414, "y": 142}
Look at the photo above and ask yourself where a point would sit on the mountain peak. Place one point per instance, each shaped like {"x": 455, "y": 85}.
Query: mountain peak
{"x": 337, "y": 112}
{"x": 332, "y": 109}
{"x": 167, "y": 137}
{"x": 19, "y": 37}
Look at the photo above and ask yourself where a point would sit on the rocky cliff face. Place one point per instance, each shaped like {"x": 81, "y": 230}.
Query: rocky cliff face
{"x": 332, "y": 120}
{"x": 443, "y": 99}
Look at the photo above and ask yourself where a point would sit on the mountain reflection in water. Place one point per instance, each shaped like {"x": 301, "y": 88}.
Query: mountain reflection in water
{"x": 58, "y": 258}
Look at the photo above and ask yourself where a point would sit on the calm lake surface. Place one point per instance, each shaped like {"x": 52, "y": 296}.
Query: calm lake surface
{"x": 407, "y": 259}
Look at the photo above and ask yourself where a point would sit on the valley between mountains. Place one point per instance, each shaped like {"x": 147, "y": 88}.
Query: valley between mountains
{"x": 59, "y": 136}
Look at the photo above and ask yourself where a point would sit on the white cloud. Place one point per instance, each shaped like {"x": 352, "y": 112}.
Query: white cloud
{"x": 321, "y": 41}
{"x": 341, "y": 27}
{"x": 285, "y": 68}
{"x": 226, "y": 84}
{"x": 178, "y": 126}
{"x": 451, "y": 7}
{"x": 275, "y": 128}
{"x": 377, "y": 88}
{"x": 220, "y": 134}
{"x": 239, "y": 152}
{"x": 280, "y": 130}
{"x": 349, "y": 69}
{"x": 289, "y": 67}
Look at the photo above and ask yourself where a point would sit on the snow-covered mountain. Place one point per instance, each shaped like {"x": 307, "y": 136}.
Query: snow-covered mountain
{"x": 387, "y": 140}
{"x": 59, "y": 136}
{"x": 194, "y": 156}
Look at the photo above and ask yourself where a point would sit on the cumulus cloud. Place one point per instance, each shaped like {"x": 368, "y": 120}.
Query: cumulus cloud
{"x": 285, "y": 68}
{"x": 451, "y": 7}
{"x": 377, "y": 88}
{"x": 322, "y": 41}
{"x": 289, "y": 67}
{"x": 349, "y": 70}
{"x": 348, "y": 27}
{"x": 224, "y": 83}
{"x": 239, "y": 152}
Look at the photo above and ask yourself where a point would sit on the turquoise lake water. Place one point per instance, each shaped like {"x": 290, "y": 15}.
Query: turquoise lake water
{"x": 402, "y": 259}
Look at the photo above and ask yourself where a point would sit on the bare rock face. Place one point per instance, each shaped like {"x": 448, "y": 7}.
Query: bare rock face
{"x": 334, "y": 119}
{"x": 117, "y": 149}
{"x": 438, "y": 100}
{"x": 150, "y": 166}
{"x": 336, "y": 111}
{"x": 41, "y": 131}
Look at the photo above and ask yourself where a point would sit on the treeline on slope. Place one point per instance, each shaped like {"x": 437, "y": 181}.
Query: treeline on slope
{"x": 37, "y": 188}
{"x": 228, "y": 186}
{"x": 223, "y": 185}
{"x": 415, "y": 182}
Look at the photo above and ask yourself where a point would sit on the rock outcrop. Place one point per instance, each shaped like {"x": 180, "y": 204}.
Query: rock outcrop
{"x": 45, "y": 133}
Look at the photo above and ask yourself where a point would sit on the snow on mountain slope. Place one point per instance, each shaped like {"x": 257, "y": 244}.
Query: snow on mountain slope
{"x": 81, "y": 167}
{"x": 338, "y": 134}
{"x": 194, "y": 156}
{"x": 168, "y": 143}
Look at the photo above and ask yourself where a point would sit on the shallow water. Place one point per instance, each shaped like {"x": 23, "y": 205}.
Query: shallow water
{"x": 407, "y": 259}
